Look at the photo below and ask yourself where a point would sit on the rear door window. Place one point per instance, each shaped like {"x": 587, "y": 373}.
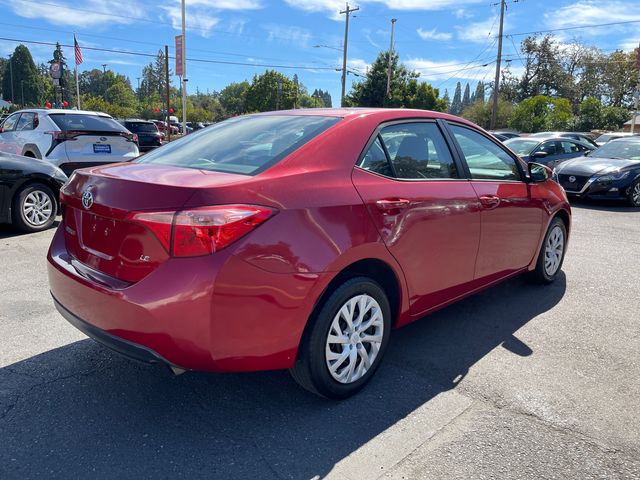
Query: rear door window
{"x": 10, "y": 123}
{"x": 418, "y": 151}
{"x": 26, "y": 122}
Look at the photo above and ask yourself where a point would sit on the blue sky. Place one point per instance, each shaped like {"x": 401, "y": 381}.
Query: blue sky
{"x": 445, "y": 40}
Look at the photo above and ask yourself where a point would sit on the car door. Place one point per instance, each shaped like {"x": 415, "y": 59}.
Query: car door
{"x": 8, "y": 134}
{"x": 427, "y": 213}
{"x": 511, "y": 216}
{"x": 570, "y": 150}
{"x": 553, "y": 151}
{"x": 24, "y": 130}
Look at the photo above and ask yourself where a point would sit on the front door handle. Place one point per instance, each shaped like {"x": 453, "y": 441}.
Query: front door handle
{"x": 490, "y": 201}
{"x": 387, "y": 204}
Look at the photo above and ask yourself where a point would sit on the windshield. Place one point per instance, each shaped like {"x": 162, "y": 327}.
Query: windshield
{"x": 627, "y": 149}
{"x": 245, "y": 145}
{"x": 521, "y": 146}
{"x": 78, "y": 122}
{"x": 141, "y": 127}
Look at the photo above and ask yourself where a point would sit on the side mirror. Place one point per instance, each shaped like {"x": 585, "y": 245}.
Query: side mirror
{"x": 539, "y": 173}
{"x": 539, "y": 154}
{"x": 587, "y": 153}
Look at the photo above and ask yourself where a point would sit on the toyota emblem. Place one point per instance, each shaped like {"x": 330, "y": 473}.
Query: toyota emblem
{"x": 103, "y": 139}
{"x": 87, "y": 199}
{"x": 572, "y": 179}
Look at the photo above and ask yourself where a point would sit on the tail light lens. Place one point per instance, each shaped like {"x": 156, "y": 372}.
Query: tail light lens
{"x": 202, "y": 231}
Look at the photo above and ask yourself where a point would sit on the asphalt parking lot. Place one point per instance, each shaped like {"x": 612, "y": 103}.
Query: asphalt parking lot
{"x": 519, "y": 381}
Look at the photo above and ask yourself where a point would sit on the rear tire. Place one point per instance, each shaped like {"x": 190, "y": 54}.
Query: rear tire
{"x": 633, "y": 198}
{"x": 343, "y": 346}
{"x": 34, "y": 208}
{"x": 551, "y": 254}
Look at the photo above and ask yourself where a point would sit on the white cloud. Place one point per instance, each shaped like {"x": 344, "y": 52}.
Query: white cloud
{"x": 357, "y": 65}
{"x": 288, "y": 34}
{"x": 479, "y": 32}
{"x": 197, "y": 20}
{"x": 462, "y": 13}
{"x": 334, "y": 6}
{"x": 226, "y": 4}
{"x": 630, "y": 44}
{"x": 94, "y": 13}
{"x": 433, "y": 34}
{"x": 435, "y": 71}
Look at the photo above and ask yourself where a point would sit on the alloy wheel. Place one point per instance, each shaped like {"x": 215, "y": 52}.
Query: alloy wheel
{"x": 635, "y": 194}
{"x": 37, "y": 208}
{"x": 553, "y": 251}
{"x": 354, "y": 339}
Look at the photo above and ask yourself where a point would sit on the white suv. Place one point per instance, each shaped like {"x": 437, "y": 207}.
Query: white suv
{"x": 69, "y": 139}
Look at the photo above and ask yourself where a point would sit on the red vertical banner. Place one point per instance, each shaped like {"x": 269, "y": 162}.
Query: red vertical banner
{"x": 179, "y": 55}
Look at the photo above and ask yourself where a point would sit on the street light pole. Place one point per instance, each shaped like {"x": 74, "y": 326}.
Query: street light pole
{"x": 22, "y": 90}
{"x": 393, "y": 22}
{"x": 11, "y": 72}
{"x": 347, "y": 12}
{"x": 496, "y": 85}
{"x": 184, "y": 72}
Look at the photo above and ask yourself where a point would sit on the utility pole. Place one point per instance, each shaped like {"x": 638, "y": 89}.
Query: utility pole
{"x": 496, "y": 85}
{"x": 393, "y": 22}
{"x": 13, "y": 100}
{"x": 22, "y": 89}
{"x": 104, "y": 68}
{"x": 184, "y": 72}
{"x": 166, "y": 81}
{"x": 636, "y": 94}
{"x": 347, "y": 12}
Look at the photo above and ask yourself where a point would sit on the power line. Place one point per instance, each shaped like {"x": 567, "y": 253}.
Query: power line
{"x": 597, "y": 25}
{"x": 153, "y": 55}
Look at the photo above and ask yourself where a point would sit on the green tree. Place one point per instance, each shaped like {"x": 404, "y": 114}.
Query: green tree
{"x": 480, "y": 113}
{"x": 456, "y": 103}
{"x": 479, "y": 93}
{"x": 589, "y": 116}
{"x": 620, "y": 78}
{"x": 542, "y": 113}
{"x": 233, "y": 98}
{"x": 26, "y": 78}
{"x": 270, "y": 91}
{"x": 466, "y": 97}
{"x": 613, "y": 118}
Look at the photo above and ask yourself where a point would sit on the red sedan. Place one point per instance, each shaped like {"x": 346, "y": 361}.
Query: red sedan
{"x": 298, "y": 240}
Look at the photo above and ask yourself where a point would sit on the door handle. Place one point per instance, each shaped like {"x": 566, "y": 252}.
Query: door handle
{"x": 387, "y": 204}
{"x": 489, "y": 201}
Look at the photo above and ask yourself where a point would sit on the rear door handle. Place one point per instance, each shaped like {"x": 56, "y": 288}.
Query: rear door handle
{"x": 387, "y": 204}
{"x": 489, "y": 201}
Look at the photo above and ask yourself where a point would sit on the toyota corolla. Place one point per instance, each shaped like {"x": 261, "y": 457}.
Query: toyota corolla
{"x": 298, "y": 239}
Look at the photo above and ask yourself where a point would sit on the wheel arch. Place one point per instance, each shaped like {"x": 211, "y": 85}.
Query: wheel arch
{"x": 31, "y": 148}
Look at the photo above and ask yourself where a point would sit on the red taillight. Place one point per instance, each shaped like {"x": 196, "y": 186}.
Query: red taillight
{"x": 58, "y": 137}
{"x": 204, "y": 230}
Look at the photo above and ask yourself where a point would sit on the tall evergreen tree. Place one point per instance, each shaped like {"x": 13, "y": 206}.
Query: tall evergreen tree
{"x": 466, "y": 97}
{"x": 479, "y": 93}
{"x": 456, "y": 104}
{"x": 26, "y": 78}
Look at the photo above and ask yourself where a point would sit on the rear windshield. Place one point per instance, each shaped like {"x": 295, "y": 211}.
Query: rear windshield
{"x": 521, "y": 146}
{"x": 246, "y": 145}
{"x": 138, "y": 127}
{"x": 79, "y": 122}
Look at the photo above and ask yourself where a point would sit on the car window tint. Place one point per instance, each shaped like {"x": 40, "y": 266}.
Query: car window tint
{"x": 418, "y": 151}
{"x": 74, "y": 122}
{"x": 10, "y": 123}
{"x": 375, "y": 160}
{"x": 25, "y": 122}
{"x": 550, "y": 148}
{"x": 486, "y": 160}
{"x": 245, "y": 145}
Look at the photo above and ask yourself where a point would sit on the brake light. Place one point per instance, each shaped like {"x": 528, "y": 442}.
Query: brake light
{"x": 59, "y": 137}
{"x": 204, "y": 230}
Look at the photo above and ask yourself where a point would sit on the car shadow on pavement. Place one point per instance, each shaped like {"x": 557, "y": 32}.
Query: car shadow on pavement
{"x": 80, "y": 411}
{"x": 9, "y": 231}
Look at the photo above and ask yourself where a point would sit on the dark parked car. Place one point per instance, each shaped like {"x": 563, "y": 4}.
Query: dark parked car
{"x": 548, "y": 151}
{"x": 298, "y": 239}
{"x": 583, "y": 137}
{"x": 29, "y": 190}
{"x": 503, "y": 135}
{"x": 607, "y": 137}
{"x": 149, "y": 137}
{"x": 611, "y": 171}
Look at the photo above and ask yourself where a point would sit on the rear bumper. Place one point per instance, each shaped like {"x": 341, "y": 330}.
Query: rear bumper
{"x": 123, "y": 347}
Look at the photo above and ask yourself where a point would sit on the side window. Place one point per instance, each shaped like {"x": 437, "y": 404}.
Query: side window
{"x": 375, "y": 160}
{"x": 485, "y": 159}
{"x": 418, "y": 151}
{"x": 570, "y": 147}
{"x": 550, "y": 148}
{"x": 10, "y": 123}
{"x": 26, "y": 122}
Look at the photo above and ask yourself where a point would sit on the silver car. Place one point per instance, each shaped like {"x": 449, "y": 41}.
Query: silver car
{"x": 69, "y": 139}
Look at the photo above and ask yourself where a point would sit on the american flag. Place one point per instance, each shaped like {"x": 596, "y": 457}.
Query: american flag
{"x": 78, "y": 52}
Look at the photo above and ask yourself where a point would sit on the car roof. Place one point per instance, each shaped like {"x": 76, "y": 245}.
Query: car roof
{"x": 62, "y": 110}
{"x": 136, "y": 120}
{"x": 627, "y": 138}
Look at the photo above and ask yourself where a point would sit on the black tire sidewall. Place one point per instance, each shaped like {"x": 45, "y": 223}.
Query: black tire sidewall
{"x": 540, "y": 270}
{"x": 322, "y": 380}
{"x": 18, "y": 215}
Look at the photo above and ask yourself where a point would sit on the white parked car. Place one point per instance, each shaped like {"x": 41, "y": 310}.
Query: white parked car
{"x": 69, "y": 139}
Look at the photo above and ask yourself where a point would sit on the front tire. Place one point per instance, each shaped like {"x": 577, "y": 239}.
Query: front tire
{"x": 634, "y": 194}
{"x": 552, "y": 253}
{"x": 346, "y": 341}
{"x": 34, "y": 208}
